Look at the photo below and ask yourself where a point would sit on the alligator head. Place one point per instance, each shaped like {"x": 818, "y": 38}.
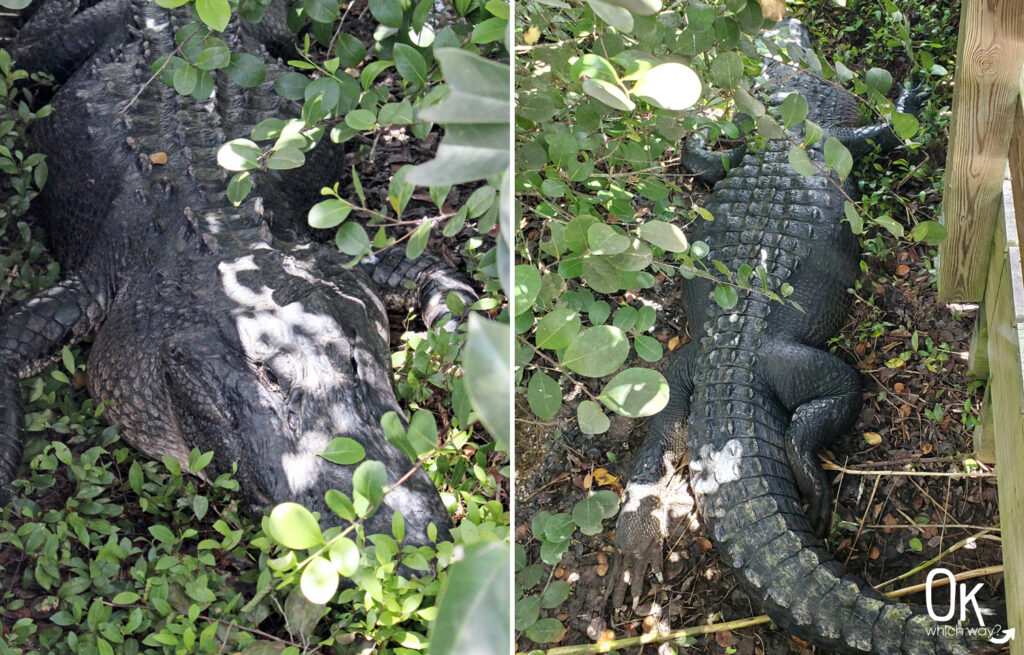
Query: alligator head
{"x": 273, "y": 362}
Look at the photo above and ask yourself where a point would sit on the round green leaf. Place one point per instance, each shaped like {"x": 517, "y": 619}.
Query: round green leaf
{"x": 726, "y": 296}
{"x": 527, "y": 611}
{"x": 344, "y": 451}
{"x": 527, "y": 286}
{"x": 608, "y": 93}
{"x": 215, "y": 13}
{"x": 329, "y": 213}
{"x": 665, "y": 235}
{"x": 727, "y": 69}
{"x": 291, "y": 86}
{"x": 648, "y": 348}
{"x": 344, "y": 556}
{"x": 351, "y": 239}
{"x": 597, "y": 351}
{"x": 545, "y": 631}
{"x": 838, "y": 158}
{"x": 544, "y": 396}
{"x": 555, "y": 594}
{"x": 636, "y": 392}
{"x": 669, "y": 86}
{"x": 349, "y": 50}
{"x": 246, "y": 70}
{"x": 214, "y": 56}
{"x": 604, "y": 240}
{"x": 319, "y": 581}
{"x": 930, "y": 232}
{"x": 286, "y": 158}
{"x": 125, "y": 598}
{"x": 793, "y": 110}
{"x": 800, "y": 162}
{"x": 239, "y": 155}
{"x": 600, "y": 274}
{"x": 588, "y": 515}
{"x": 638, "y": 7}
{"x": 609, "y": 502}
{"x": 293, "y": 526}
{"x": 905, "y": 125}
{"x": 591, "y": 418}
{"x": 615, "y": 16}
{"x": 239, "y": 187}
{"x": 361, "y": 120}
{"x": 410, "y": 64}
{"x": 185, "y": 79}
{"x": 557, "y": 329}
{"x": 369, "y": 480}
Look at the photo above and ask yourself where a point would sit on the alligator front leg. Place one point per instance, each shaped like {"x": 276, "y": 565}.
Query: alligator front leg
{"x": 656, "y": 493}
{"x": 29, "y": 333}
{"x": 823, "y": 393}
{"x": 433, "y": 279}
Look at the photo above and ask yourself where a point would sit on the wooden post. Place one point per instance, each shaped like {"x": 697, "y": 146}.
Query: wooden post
{"x": 986, "y": 84}
{"x": 1004, "y": 310}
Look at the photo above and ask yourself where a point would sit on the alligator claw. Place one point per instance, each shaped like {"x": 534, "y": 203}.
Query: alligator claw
{"x": 629, "y": 569}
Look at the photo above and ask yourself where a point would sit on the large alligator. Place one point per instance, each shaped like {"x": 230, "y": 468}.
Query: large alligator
{"x": 210, "y": 333}
{"x": 753, "y": 398}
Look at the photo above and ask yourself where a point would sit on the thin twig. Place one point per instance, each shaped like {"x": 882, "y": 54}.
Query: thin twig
{"x": 955, "y": 547}
{"x": 832, "y": 466}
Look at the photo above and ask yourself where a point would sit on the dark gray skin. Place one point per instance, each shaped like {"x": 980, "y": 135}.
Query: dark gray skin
{"x": 210, "y": 333}
{"x": 753, "y": 399}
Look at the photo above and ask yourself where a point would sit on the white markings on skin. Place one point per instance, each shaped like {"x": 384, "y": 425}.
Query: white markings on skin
{"x": 300, "y": 466}
{"x": 713, "y": 468}
{"x": 154, "y": 26}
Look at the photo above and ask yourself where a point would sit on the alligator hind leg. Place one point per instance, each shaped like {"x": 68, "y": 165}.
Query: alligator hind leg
{"x": 28, "y": 333}
{"x": 58, "y": 38}
{"x": 656, "y": 492}
{"x": 823, "y": 393}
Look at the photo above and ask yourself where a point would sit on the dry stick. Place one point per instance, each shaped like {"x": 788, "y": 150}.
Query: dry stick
{"x": 832, "y": 466}
{"x": 863, "y": 520}
{"x": 675, "y": 635}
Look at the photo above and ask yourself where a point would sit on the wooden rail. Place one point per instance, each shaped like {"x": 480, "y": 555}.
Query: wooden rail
{"x": 990, "y": 53}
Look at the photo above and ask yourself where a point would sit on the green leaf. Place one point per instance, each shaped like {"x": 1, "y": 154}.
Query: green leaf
{"x": 387, "y": 12}
{"x": 669, "y": 86}
{"x": 476, "y": 592}
{"x": 215, "y": 13}
{"x": 361, "y": 119}
{"x": 591, "y": 418}
{"x": 163, "y": 534}
{"x": 422, "y": 432}
{"x": 270, "y": 128}
{"x": 597, "y": 351}
{"x": 853, "y": 217}
{"x": 930, "y": 232}
{"x": 905, "y": 125}
{"x": 527, "y": 611}
{"x": 246, "y": 70}
{"x": 418, "y": 240}
{"x": 890, "y": 225}
{"x": 185, "y": 79}
{"x": 239, "y": 187}
{"x": 67, "y": 359}
{"x": 467, "y": 153}
{"x": 636, "y": 392}
{"x": 286, "y": 158}
{"x": 344, "y": 556}
{"x": 319, "y": 581}
{"x": 545, "y": 631}
{"x": 291, "y": 86}
{"x": 544, "y": 396}
{"x": 600, "y": 274}
{"x": 604, "y": 240}
{"x": 349, "y": 50}
{"x": 321, "y": 11}
{"x": 793, "y": 110}
{"x": 801, "y": 163}
{"x": 665, "y": 235}
{"x": 329, "y": 213}
{"x": 727, "y": 70}
{"x": 214, "y": 56}
{"x": 372, "y": 70}
{"x": 239, "y": 155}
{"x": 344, "y": 451}
{"x": 638, "y": 7}
{"x": 489, "y": 30}
{"x": 293, "y": 526}
{"x": 498, "y": 8}
{"x": 608, "y": 93}
{"x": 726, "y": 296}
{"x": 615, "y": 16}
{"x": 410, "y": 64}
{"x": 368, "y": 481}
{"x": 878, "y": 80}
{"x": 527, "y": 286}
{"x": 838, "y": 158}
{"x": 609, "y": 502}
{"x": 400, "y": 190}
{"x": 812, "y": 133}
{"x": 557, "y": 329}
{"x": 351, "y": 239}
{"x": 487, "y": 370}
{"x": 588, "y": 515}
{"x": 648, "y": 348}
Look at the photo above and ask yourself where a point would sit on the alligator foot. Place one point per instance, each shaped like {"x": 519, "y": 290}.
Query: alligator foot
{"x": 645, "y": 521}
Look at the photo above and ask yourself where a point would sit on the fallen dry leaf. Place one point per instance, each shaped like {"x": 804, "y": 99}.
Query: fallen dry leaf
{"x": 873, "y": 438}
{"x": 902, "y": 270}
{"x": 603, "y": 478}
{"x": 602, "y": 565}
{"x": 673, "y": 343}
{"x": 725, "y": 639}
{"x": 874, "y": 553}
{"x": 898, "y": 387}
{"x": 158, "y": 158}
{"x": 705, "y": 545}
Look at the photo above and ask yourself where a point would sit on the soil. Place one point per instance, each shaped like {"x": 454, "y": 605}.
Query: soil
{"x": 918, "y": 415}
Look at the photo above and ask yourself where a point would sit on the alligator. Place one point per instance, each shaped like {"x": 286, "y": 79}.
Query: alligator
{"x": 754, "y": 398}
{"x": 210, "y": 331}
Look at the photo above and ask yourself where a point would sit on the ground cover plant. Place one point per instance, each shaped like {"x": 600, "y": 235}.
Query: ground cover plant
{"x": 105, "y": 551}
{"x": 606, "y": 93}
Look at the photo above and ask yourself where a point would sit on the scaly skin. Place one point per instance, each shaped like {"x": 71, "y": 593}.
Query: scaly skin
{"x": 754, "y": 399}
{"x": 210, "y": 332}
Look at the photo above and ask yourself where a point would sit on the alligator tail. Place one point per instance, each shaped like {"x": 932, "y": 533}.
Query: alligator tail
{"x": 433, "y": 279}
{"x": 769, "y": 542}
